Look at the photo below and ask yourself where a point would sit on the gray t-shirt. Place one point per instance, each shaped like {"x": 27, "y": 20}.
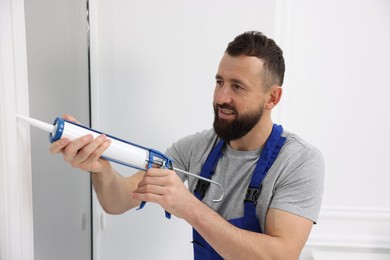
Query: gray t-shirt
{"x": 294, "y": 183}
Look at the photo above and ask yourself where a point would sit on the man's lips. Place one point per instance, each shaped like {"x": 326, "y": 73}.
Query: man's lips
{"x": 225, "y": 113}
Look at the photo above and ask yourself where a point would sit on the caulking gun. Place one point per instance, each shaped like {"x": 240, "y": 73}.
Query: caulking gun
{"x": 119, "y": 151}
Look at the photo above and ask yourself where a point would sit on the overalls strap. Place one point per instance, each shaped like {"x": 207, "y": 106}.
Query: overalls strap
{"x": 272, "y": 147}
{"x": 208, "y": 170}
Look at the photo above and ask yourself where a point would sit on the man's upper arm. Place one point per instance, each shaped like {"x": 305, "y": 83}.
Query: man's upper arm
{"x": 291, "y": 230}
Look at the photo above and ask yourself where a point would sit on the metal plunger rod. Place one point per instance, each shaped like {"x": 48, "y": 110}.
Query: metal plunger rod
{"x": 205, "y": 179}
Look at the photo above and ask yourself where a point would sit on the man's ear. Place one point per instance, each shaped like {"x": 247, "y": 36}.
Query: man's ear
{"x": 274, "y": 95}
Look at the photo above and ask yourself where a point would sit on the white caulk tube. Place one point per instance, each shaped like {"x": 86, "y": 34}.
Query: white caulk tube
{"x": 119, "y": 151}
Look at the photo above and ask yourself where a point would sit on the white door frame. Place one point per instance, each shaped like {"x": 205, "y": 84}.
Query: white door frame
{"x": 16, "y": 217}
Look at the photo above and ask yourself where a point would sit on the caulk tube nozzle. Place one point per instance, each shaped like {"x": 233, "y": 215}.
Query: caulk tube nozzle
{"x": 119, "y": 151}
{"x": 39, "y": 124}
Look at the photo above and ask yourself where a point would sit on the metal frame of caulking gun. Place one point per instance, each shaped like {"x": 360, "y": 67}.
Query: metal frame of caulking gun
{"x": 166, "y": 163}
{"x": 162, "y": 160}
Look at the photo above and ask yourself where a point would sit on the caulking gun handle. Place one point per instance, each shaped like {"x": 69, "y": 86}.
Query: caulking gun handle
{"x": 169, "y": 164}
{"x": 142, "y": 205}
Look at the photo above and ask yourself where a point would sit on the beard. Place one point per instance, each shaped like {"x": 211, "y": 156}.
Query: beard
{"x": 239, "y": 127}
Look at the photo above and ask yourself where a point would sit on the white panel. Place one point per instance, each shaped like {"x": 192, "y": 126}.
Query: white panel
{"x": 16, "y": 226}
{"x": 347, "y": 254}
{"x": 336, "y": 94}
{"x": 358, "y": 228}
{"x": 155, "y": 65}
{"x": 359, "y": 233}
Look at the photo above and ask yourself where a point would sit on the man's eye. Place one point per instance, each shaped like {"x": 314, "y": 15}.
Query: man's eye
{"x": 237, "y": 87}
{"x": 219, "y": 82}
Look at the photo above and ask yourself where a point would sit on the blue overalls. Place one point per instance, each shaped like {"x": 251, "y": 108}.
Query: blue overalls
{"x": 202, "y": 250}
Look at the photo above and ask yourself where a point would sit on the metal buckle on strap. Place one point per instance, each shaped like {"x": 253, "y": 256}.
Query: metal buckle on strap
{"x": 201, "y": 187}
{"x": 252, "y": 194}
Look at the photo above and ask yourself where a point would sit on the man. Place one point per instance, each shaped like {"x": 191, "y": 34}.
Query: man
{"x": 273, "y": 179}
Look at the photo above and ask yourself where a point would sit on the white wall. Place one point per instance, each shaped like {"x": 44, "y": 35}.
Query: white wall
{"x": 155, "y": 65}
{"x": 153, "y": 76}
{"x": 336, "y": 96}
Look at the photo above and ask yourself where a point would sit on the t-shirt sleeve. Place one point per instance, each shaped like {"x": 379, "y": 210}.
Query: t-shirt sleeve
{"x": 300, "y": 188}
{"x": 180, "y": 153}
{"x": 189, "y": 153}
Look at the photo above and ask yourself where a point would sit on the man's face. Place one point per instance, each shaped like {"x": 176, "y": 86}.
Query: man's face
{"x": 238, "y": 96}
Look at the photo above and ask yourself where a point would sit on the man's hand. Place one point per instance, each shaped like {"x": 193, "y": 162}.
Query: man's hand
{"x": 83, "y": 153}
{"x": 164, "y": 187}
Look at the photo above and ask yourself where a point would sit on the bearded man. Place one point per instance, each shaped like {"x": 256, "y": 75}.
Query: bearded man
{"x": 273, "y": 179}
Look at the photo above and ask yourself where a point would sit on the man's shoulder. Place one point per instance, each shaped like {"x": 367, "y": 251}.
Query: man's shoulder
{"x": 190, "y": 151}
{"x": 295, "y": 140}
{"x": 296, "y": 146}
{"x": 201, "y": 138}
{"x": 195, "y": 143}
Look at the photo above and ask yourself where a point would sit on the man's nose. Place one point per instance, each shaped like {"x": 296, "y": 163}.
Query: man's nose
{"x": 223, "y": 95}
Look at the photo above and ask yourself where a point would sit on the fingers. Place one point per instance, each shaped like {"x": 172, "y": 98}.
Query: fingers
{"x": 70, "y": 118}
{"x": 90, "y": 151}
{"x": 156, "y": 182}
{"x": 57, "y": 146}
{"x": 94, "y": 163}
{"x": 73, "y": 147}
{"x": 98, "y": 150}
{"x": 151, "y": 189}
{"x": 164, "y": 187}
{"x": 85, "y": 156}
{"x": 156, "y": 176}
{"x": 158, "y": 172}
{"x": 84, "y": 152}
{"x": 150, "y": 193}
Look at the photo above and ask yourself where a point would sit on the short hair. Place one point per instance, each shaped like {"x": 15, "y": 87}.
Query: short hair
{"x": 256, "y": 44}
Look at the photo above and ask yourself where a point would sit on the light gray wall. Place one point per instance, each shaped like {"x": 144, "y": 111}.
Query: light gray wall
{"x": 57, "y": 57}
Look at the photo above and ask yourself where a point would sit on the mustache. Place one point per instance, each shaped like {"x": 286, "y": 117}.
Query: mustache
{"x": 225, "y": 106}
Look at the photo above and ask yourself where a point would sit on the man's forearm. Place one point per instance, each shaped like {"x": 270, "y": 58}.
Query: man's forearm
{"x": 229, "y": 241}
{"x": 114, "y": 191}
{"x": 235, "y": 243}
